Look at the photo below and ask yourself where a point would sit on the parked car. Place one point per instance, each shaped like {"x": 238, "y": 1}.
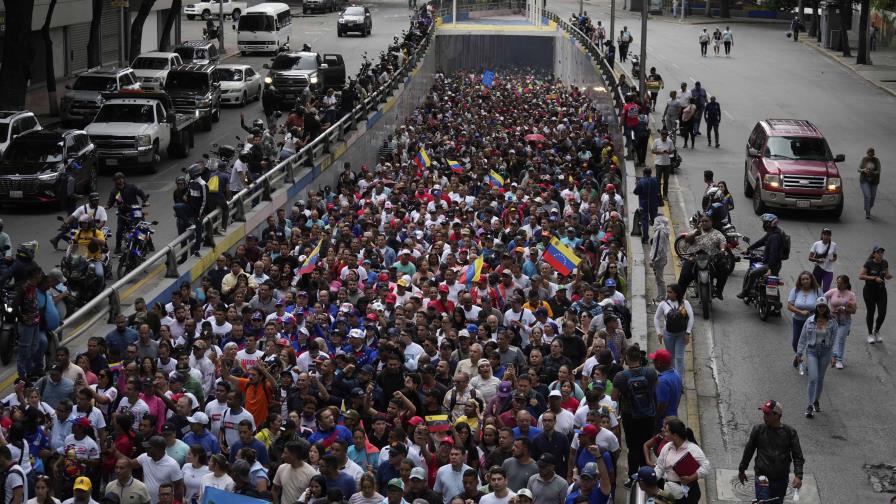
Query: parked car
{"x": 197, "y": 51}
{"x": 209, "y": 10}
{"x": 355, "y": 18}
{"x": 239, "y": 83}
{"x": 46, "y": 166}
{"x": 15, "y": 123}
{"x": 294, "y": 74}
{"x": 195, "y": 89}
{"x": 152, "y": 68}
{"x": 788, "y": 164}
{"x": 320, "y": 6}
{"x": 83, "y": 99}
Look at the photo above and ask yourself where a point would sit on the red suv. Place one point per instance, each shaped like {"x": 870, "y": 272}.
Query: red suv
{"x": 789, "y": 165}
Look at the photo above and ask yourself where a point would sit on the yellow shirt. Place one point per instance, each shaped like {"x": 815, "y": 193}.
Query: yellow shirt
{"x": 83, "y": 239}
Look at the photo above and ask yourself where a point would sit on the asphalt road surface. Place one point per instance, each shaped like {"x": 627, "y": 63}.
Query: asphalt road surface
{"x": 25, "y": 223}
{"x": 742, "y": 361}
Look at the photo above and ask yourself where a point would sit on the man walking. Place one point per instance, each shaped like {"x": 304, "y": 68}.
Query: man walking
{"x": 713, "y": 116}
{"x": 197, "y": 200}
{"x": 698, "y": 93}
{"x": 654, "y": 86}
{"x": 703, "y": 38}
{"x": 727, "y": 41}
{"x": 634, "y": 388}
{"x": 795, "y": 27}
{"x": 659, "y": 254}
{"x": 672, "y": 112}
{"x": 649, "y": 200}
{"x": 776, "y": 445}
{"x": 662, "y": 148}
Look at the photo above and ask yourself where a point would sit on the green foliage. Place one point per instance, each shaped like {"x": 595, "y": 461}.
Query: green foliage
{"x": 781, "y": 5}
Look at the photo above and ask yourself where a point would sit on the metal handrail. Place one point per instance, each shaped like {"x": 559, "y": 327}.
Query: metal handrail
{"x": 176, "y": 251}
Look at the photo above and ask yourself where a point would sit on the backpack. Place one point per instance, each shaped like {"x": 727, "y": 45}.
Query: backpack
{"x": 676, "y": 322}
{"x": 453, "y": 401}
{"x": 634, "y": 111}
{"x": 785, "y": 246}
{"x": 640, "y": 394}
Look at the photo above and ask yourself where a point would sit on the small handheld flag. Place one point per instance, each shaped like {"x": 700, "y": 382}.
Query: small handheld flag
{"x": 495, "y": 179}
{"x": 455, "y": 166}
{"x": 422, "y": 159}
{"x": 311, "y": 261}
{"x": 560, "y": 257}
{"x": 488, "y": 78}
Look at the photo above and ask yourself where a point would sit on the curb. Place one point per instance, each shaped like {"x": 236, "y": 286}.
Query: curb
{"x": 718, "y": 20}
{"x": 833, "y": 57}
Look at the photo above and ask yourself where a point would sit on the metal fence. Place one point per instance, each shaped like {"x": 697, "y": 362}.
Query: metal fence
{"x": 171, "y": 256}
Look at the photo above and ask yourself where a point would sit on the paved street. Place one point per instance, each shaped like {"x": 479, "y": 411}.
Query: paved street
{"x": 317, "y": 30}
{"x": 741, "y": 361}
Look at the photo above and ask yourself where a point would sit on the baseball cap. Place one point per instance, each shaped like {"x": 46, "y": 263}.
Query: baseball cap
{"x": 646, "y": 474}
{"x": 356, "y": 333}
{"x": 821, "y": 301}
{"x": 397, "y": 483}
{"x": 590, "y": 470}
{"x": 771, "y": 406}
{"x": 524, "y": 492}
{"x": 483, "y": 362}
{"x": 504, "y": 389}
{"x": 287, "y": 425}
{"x": 661, "y": 356}
{"x": 463, "y": 333}
{"x": 555, "y": 393}
{"x": 472, "y": 328}
{"x": 169, "y": 429}
{"x": 547, "y": 459}
{"x": 610, "y": 282}
{"x": 443, "y": 288}
{"x": 878, "y": 248}
{"x": 589, "y": 430}
{"x": 398, "y": 449}
{"x": 418, "y": 473}
{"x": 83, "y": 483}
{"x": 415, "y": 421}
{"x": 598, "y": 384}
{"x": 358, "y": 392}
{"x": 354, "y": 415}
{"x": 82, "y": 421}
{"x": 402, "y": 282}
{"x": 198, "y": 417}
{"x": 283, "y": 342}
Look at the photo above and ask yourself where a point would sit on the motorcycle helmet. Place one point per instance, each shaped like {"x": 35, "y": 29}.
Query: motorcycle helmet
{"x": 94, "y": 196}
{"x": 244, "y": 156}
{"x": 180, "y": 180}
{"x": 258, "y": 123}
{"x": 769, "y": 220}
{"x": 714, "y": 194}
{"x": 194, "y": 171}
{"x": 26, "y": 251}
{"x": 85, "y": 222}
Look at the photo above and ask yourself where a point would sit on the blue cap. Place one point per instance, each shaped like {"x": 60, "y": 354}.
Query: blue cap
{"x": 589, "y": 471}
{"x": 645, "y": 474}
{"x": 610, "y": 283}
{"x": 473, "y": 328}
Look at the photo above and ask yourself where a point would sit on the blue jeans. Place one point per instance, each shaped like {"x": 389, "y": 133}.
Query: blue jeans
{"x": 777, "y": 488}
{"x": 28, "y": 341}
{"x": 42, "y": 343}
{"x": 797, "y": 329}
{"x": 819, "y": 359}
{"x": 869, "y": 192}
{"x": 843, "y": 328}
{"x": 674, "y": 343}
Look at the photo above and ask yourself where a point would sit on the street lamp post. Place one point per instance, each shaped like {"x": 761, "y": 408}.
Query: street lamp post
{"x": 221, "y": 49}
{"x": 612, "y": 22}
{"x": 642, "y": 90}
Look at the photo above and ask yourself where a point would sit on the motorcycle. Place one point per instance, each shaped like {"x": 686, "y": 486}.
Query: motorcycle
{"x": 136, "y": 247}
{"x": 732, "y": 241}
{"x": 765, "y": 293}
{"x": 703, "y": 280}
{"x": 9, "y": 332}
{"x": 83, "y": 284}
{"x": 636, "y": 67}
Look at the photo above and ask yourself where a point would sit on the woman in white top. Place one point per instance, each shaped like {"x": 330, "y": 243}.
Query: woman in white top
{"x": 18, "y": 447}
{"x": 673, "y": 321}
{"x": 104, "y": 392}
{"x": 682, "y": 462}
{"x": 43, "y": 492}
{"x": 195, "y": 468}
{"x": 368, "y": 493}
{"x": 218, "y": 477}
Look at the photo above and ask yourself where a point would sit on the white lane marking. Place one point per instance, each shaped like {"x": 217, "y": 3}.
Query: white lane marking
{"x": 728, "y": 115}
{"x": 675, "y": 65}
{"x": 692, "y": 78}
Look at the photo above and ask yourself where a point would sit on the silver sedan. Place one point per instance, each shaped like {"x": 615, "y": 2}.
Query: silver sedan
{"x": 239, "y": 84}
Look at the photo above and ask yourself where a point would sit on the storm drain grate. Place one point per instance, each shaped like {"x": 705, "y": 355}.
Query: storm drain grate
{"x": 882, "y": 477}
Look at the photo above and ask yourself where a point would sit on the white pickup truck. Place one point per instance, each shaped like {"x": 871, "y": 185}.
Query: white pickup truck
{"x": 211, "y": 9}
{"x": 134, "y": 128}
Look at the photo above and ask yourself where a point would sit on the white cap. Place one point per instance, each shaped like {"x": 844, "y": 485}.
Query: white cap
{"x": 404, "y": 251}
{"x": 555, "y": 393}
{"x": 198, "y": 417}
{"x": 463, "y": 333}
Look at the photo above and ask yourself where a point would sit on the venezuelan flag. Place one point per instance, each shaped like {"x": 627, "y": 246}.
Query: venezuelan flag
{"x": 312, "y": 259}
{"x": 455, "y": 166}
{"x": 472, "y": 272}
{"x": 495, "y": 179}
{"x": 422, "y": 159}
{"x": 560, "y": 257}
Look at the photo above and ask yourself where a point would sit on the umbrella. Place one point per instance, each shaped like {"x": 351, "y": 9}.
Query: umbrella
{"x": 535, "y": 137}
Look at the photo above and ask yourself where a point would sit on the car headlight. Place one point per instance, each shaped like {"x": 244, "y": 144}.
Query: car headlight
{"x": 341, "y": 21}
{"x": 314, "y": 80}
{"x": 834, "y": 184}
{"x": 99, "y": 100}
{"x": 201, "y": 102}
{"x": 773, "y": 181}
{"x": 48, "y": 177}
{"x": 144, "y": 140}
{"x": 268, "y": 81}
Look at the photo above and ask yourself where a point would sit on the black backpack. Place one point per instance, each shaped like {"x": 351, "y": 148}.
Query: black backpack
{"x": 641, "y": 400}
{"x": 675, "y": 321}
{"x": 785, "y": 246}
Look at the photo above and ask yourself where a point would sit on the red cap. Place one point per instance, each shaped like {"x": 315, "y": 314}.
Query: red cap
{"x": 384, "y": 277}
{"x": 447, "y": 440}
{"x": 283, "y": 342}
{"x": 661, "y": 356}
{"x": 372, "y": 317}
{"x": 443, "y": 288}
{"x": 432, "y": 304}
{"x": 390, "y": 298}
{"x": 589, "y": 430}
{"x": 415, "y": 421}
{"x": 610, "y": 187}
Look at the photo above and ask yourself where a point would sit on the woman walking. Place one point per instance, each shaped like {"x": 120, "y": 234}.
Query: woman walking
{"x": 817, "y": 340}
{"x": 875, "y": 272}
{"x": 673, "y": 321}
{"x": 842, "y": 301}
{"x": 679, "y": 448}
{"x": 800, "y": 303}
{"x": 824, "y": 254}
{"x": 869, "y": 178}
{"x": 716, "y": 41}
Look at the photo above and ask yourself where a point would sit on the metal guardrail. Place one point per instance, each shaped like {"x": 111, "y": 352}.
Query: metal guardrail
{"x": 176, "y": 252}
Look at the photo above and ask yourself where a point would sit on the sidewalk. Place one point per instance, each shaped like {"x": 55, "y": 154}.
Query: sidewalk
{"x": 882, "y": 73}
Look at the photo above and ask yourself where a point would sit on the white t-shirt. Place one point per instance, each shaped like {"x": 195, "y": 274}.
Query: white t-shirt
{"x": 230, "y": 422}
{"x": 139, "y": 409}
{"x": 565, "y": 422}
{"x": 215, "y": 410}
{"x": 210, "y": 480}
{"x": 193, "y": 481}
{"x": 220, "y": 330}
{"x": 293, "y": 481}
{"x": 157, "y": 472}
{"x": 819, "y": 248}
{"x": 22, "y": 457}
{"x": 95, "y": 416}
{"x": 493, "y": 499}
{"x": 15, "y": 480}
{"x": 111, "y": 393}
{"x": 449, "y": 482}
{"x": 247, "y": 360}
{"x": 85, "y": 449}
{"x": 662, "y": 158}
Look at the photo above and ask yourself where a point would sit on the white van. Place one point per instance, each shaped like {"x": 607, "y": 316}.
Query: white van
{"x": 264, "y": 28}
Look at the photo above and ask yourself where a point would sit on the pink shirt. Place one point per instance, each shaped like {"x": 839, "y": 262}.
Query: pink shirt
{"x": 837, "y": 298}
{"x": 157, "y": 407}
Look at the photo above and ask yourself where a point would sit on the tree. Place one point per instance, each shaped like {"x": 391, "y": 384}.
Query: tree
{"x": 173, "y": 13}
{"x": 16, "y": 68}
{"x": 48, "y": 50}
{"x": 93, "y": 43}
{"x": 137, "y": 28}
{"x": 845, "y": 23}
{"x": 725, "y": 8}
{"x": 863, "y": 57}
{"x": 708, "y": 10}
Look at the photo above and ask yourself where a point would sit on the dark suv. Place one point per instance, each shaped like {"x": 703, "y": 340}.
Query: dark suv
{"x": 355, "y": 18}
{"x": 196, "y": 89}
{"x": 47, "y": 167}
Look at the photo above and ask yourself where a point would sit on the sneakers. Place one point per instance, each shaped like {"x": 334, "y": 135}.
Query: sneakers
{"x": 839, "y": 365}
{"x": 55, "y": 243}
{"x": 877, "y": 337}
{"x": 809, "y": 412}
{"x": 816, "y": 407}
{"x": 870, "y": 339}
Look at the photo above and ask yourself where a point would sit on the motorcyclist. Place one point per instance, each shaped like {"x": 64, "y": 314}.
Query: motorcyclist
{"x": 257, "y": 162}
{"x": 239, "y": 173}
{"x": 90, "y": 243}
{"x": 16, "y": 268}
{"x": 711, "y": 241}
{"x": 197, "y": 201}
{"x": 124, "y": 196}
{"x": 5, "y": 244}
{"x": 717, "y": 210}
{"x": 218, "y": 183}
{"x": 773, "y": 241}
{"x": 92, "y": 208}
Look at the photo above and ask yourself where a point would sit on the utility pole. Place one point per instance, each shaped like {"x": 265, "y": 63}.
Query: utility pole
{"x": 221, "y": 49}
{"x": 454, "y": 12}
{"x": 581, "y": 7}
{"x": 642, "y": 73}
{"x": 612, "y": 34}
